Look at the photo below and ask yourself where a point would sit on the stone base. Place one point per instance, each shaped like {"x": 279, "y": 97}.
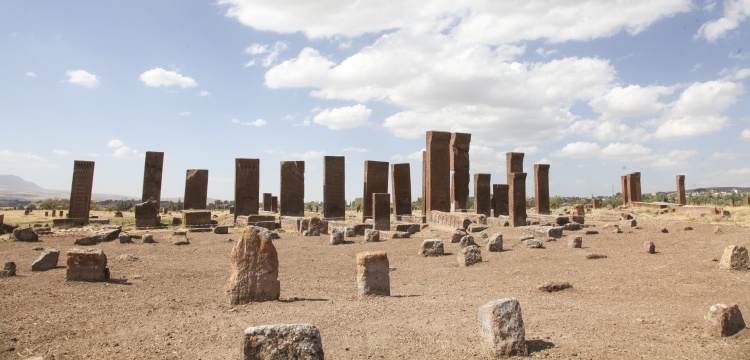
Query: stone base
{"x": 146, "y": 223}
{"x": 196, "y": 218}
{"x": 99, "y": 221}
{"x": 653, "y": 205}
{"x": 419, "y": 219}
{"x": 257, "y": 220}
{"x": 452, "y": 221}
{"x": 358, "y": 229}
{"x": 69, "y": 222}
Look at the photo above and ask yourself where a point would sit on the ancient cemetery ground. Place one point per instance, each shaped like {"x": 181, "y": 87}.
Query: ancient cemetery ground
{"x": 169, "y": 302}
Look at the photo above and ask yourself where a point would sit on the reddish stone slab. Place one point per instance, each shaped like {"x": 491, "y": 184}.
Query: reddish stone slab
{"x": 80, "y": 190}
{"x": 196, "y": 189}
{"x": 246, "y": 186}
{"x": 401, "y": 188}
{"x": 376, "y": 181}
{"x": 292, "y": 201}
{"x": 334, "y": 187}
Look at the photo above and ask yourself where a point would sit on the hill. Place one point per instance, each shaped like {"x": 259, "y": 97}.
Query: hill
{"x": 13, "y": 187}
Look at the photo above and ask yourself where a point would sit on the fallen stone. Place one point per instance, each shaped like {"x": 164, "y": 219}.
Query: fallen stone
{"x": 595, "y": 256}
{"x": 373, "y": 274}
{"x": 221, "y": 230}
{"x": 688, "y": 228}
{"x": 625, "y": 216}
{"x": 9, "y": 269}
{"x": 591, "y": 232}
{"x": 457, "y": 235}
{"x": 128, "y": 257}
{"x": 350, "y": 232}
{"x": 724, "y": 320}
{"x": 148, "y": 239}
{"x": 495, "y": 243}
{"x": 630, "y": 223}
{"x": 179, "y": 238}
{"x": 649, "y": 247}
{"x": 572, "y": 226}
{"x": 465, "y": 241}
{"x": 734, "y": 258}
{"x": 533, "y": 244}
{"x": 469, "y": 255}
{"x": 546, "y": 231}
{"x": 87, "y": 265}
{"x": 664, "y": 230}
{"x": 124, "y": 238}
{"x": 372, "y": 235}
{"x": 337, "y": 237}
{"x": 501, "y": 327}
{"x": 25, "y": 234}
{"x": 484, "y": 235}
{"x": 575, "y": 242}
{"x": 475, "y": 228}
{"x": 291, "y": 341}
{"x": 432, "y": 247}
{"x": 46, "y": 261}
{"x": 100, "y": 236}
{"x": 255, "y": 268}
{"x": 553, "y": 286}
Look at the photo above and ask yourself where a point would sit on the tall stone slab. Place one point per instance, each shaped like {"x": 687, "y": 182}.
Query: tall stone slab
{"x": 292, "y": 197}
{"x": 424, "y": 182}
{"x": 541, "y": 188}
{"x": 80, "y": 190}
{"x": 632, "y": 188}
{"x": 246, "y": 186}
{"x": 625, "y": 190}
{"x": 267, "y": 201}
{"x": 334, "y": 187}
{"x": 196, "y": 189}
{"x": 637, "y": 179}
{"x": 459, "y": 146}
{"x": 482, "y": 194}
{"x": 517, "y": 203}
{"x": 376, "y": 181}
{"x": 681, "y": 190}
{"x": 152, "y": 175}
{"x": 438, "y": 172}
{"x": 401, "y": 188}
{"x": 513, "y": 163}
{"x": 500, "y": 198}
{"x": 381, "y": 211}
{"x": 274, "y": 204}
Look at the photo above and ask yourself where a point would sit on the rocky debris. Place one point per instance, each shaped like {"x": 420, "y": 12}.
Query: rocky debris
{"x": 255, "y": 268}
{"x": 664, "y": 230}
{"x": 9, "y": 269}
{"x": 546, "y": 231}
{"x": 554, "y": 286}
{"x": 373, "y": 274}
{"x": 25, "y": 234}
{"x": 501, "y": 328}
{"x": 179, "y": 238}
{"x": 483, "y": 235}
{"x": 457, "y": 235}
{"x": 575, "y": 242}
{"x": 465, "y": 241}
{"x": 626, "y": 216}
{"x": 475, "y": 228}
{"x": 734, "y": 258}
{"x": 118, "y": 214}
{"x": 289, "y": 341}
{"x": 100, "y": 236}
{"x": 724, "y": 320}
{"x": 124, "y": 238}
{"x": 495, "y": 243}
{"x": 46, "y": 261}
{"x": 649, "y": 247}
{"x": 87, "y": 265}
{"x": 128, "y": 257}
{"x": 688, "y": 228}
{"x": 337, "y": 237}
{"x": 572, "y": 226}
{"x": 148, "y": 239}
{"x": 591, "y": 256}
{"x": 432, "y": 247}
{"x": 591, "y": 232}
{"x": 372, "y": 235}
{"x": 533, "y": 244}
{"x": 469, "y": 255}
{"x": 221, "y": 230}
{"x": 349, "y": 232}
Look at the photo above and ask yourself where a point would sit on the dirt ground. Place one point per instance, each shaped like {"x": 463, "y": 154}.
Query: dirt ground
{"x": 171, "y": 303}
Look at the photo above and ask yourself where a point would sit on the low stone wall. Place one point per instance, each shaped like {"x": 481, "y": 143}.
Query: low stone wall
{"x": 451, "y": 221}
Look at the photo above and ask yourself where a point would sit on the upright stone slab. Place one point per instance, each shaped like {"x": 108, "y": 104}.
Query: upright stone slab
{"x": 437, "y": 172}
{"x": 274, "y": 204}
{"x": 459, "y": 145}
{"x": 501, "y": 327}
{"x": 541, "y": 188}
{"x": 500, "y": 199}
{"x": 513, "y": 163}
{"x": 517, "y": 203}
{"x": 267, "y": 202}
{"x": 196, "y": 189}
{"x": 255, "y": 268}
{"x": 625, "y": 190}
{"x": 381, "y": 211}
{"x": 292, "y": 188}
{"x": 482, "y": 194}
{"x": 292, "y": 341}
{"x": 376, "y": 181}
{"x": 373, "y": 273}
{"x": 152, "y": 175}
{"x": 638, "y": 193}
{"x": 631, "y": 189}
{"x": 424, "y": 184}
{"x": 334, "y": 187}
{"x": 147, "y": 214}
{"x": 681, "y": 190}
{"x": 401, "y": 188}
{"x": 246, "y": 186}
{"x": 80, "y": 191}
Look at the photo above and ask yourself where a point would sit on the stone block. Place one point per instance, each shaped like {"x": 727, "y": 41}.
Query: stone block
{"x": 432, "y": 247}
{"x": 501, "y": 327}
{"x": 25, "y": 234}
{"x": 179, "y": 238}
{"x": 255, "y": 268}
{"x": 373, "y": 273}
{"x": 724, "y": 320}
{"x": 469, "y": 255}
{"x": 495, "y": 243}
{"x": 47, "y": 260}
{"x": 289, "y": 341}
{"x": 649, "y": 247}
{"x": 196, "y": 218}
{"x": 87, "y": 265}
{"x": 337, "y": 237}
{"x": 221, "y": 230}
{"x": 372, "y": 235}
{"x": 466, "y": 240}
{"x": 575, "y": 242}
{"x": 545, "y": 231}
{"x": 734, "y": 258}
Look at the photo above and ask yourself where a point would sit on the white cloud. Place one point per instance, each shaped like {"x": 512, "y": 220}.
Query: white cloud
{"x": 59, "y": 152}
{"x": 626, "y": 152}
{"x": 255, "y": 123}
{"x": 184, "y": 113}
{"x": 347, "y": 117}
{"x": 528, "y": 150}
{"x": 579, "y": 149}
{"x": 159, "y": 77}
{"x": 726, "y": 155}
{"x": 735, "y": 12}
{"x": 270, "y": 53}
{"x": 545, "y": 53}
{"x": 10, "y": 160}
{"x": 415, "y": 156}
{"x": 630, "y": 101}
{"x": 352, "y": 149}
{"x": 746, "y": 134}
{"x": 736, "y": 177}
{"x": 81, "y": 78}
{"x": 122, "y": 151}
{"x": 204, "y": 93}
{"x": 114, "y": 143}
{"x": 309, "y": 155}
{"x": 30, "y": 74}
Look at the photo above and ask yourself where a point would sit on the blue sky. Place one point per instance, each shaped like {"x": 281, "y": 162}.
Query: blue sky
{"x": 597, "y": 89}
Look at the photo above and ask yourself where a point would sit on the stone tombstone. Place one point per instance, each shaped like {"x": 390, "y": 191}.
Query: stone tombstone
{"x": 482, "y": 194}
{"x": 381, "y": 211}
{"x": 373, "y": 273}
{"x": 638, "y": 193}
{"x": 501, "y": 327}
{"x": 681, "y": 190}
{"x": 401, "y": 188}
{"x": 517, "y": 199}
{"x": 625, "y": 190}
{"x": 334, "y": 187}
{"x": 500, "y": 199}
{"x": 86, "y": 265}
{"x": 147, "y": 214}
{"x": 267, "y": 202}
{"x": 541, "y": 188}
{"x": 513, "y": 163}
{"x": 376, "y": 181}
{"x": 255, "y": 268}
{"x": 80, "y": 191}
{"x": 459, "y": 161}
{"x": 292, "y": 191}
{"x": 274, "y": 204}
{"x": 152, "y": 175}
{"x": 246, "y": 186}
{"x": 724, "y": 320}
{"x": 196, "y": 189}
{"x": 424, "y": 181}
{"x": 287, "y": 341}
{"x": 437, "y": 182}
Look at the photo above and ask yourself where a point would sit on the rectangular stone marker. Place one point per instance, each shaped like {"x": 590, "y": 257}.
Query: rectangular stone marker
{"x": 517, "y": 197}
{"x": 381, "y": 211}
{"x": 292, "y": 188}
{"x": 274, "y": 204}
{"x": 267, "y": 201}
{"x": 196, "y": 189}
{"x": 513, "y": 163}
{"x": 500, "y": 199}
{"x": 246, "y": 186}
{"x": 632, "y": 188}
{"x": 681, "y": 190}
{"x": 541, "y": 188}
{"x": 459, "y": 145}
{"x": 401, "y": 188}
{"x": 638, "y": 193}
{"x": 482, "y": 194}
{"x": 625, "y": 190}
{"x": 424, "y": 181}
{"x": 80, "y": 191}
{"x": 152, "y": 174}
{"x": 376, "y": 181}
{"x": 437, "y": 172}
{"x": 373, "y": 274}
{"x": 334, "y": 187}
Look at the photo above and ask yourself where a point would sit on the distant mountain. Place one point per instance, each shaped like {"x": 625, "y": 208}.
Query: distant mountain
{"x": 13, "y": 187}
{"x": 15, "y": 183}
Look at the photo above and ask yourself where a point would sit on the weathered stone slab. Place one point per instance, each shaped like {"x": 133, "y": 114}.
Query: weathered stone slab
{"x": 376, "y": 181}
{"x": 47, "y": 260}
{"x": 337, "y": 237}
{"x": 541, "y": 188}
{"x": 292, "y": 201}
{"x": 409, "y": 228}
{"x": 501, "y": 327}
{"x": 87, "y": 265}
{"x": 460, "y": 165}
{"x": 152, "y": 176}
{"x": 373, "y": 273}
{"x": 124, "y": 238}
{"x": 451, "y": 221}
{"x": 246, "y": 186}
{"x": 179, "y": 238}
{"x": 482, "y": 193}
{"x": 255, "y": 268}
{"x": 432, "y": 247}
{"x": 401, "y": 188}
{"x": 9, "y": 269}
{"x": 196, "y": 189}
{"x": 372, "y": 235}
{"x": 466, "y": 240}
{"x": 148, "y": 239}
{"x": 548, "y": 231}
{"x": 381, "y": 211}
{"x": 418, "y": 219}
{"x": 517, "y": 199}
{"x": 469, "y": 255}
{"x": 575, "y": 242}
{"x": 680, "y": 179}
{"x": 100, "y": 236}
{"x": 495, "y": 243}
{"x": 734, "y": 258}
{"x": 80, "y": 191}
{"x": 437, "y": 172}
{"x": 196, "y": 218}
{"x": 357, "y": 229}
{"x": 724, "y": 320}
{"x": 649, "y": 247}
{"x": 221, "y": 230}
{"x": 334, "y": 187}
{"x": 500, "y": 200}
{"x": 25, "y": 234}
{"x": 276, "y": 342}
{"x": 554, "y": 286}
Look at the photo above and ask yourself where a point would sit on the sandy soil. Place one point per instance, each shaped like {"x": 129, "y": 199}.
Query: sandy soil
{"x": 171, "y": 303}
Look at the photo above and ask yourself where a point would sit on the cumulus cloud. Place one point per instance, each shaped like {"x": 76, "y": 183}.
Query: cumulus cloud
{"x": 204, "y": 93}
{"x": 415, "y": 156}
{"x": 81, "y": 78}
{"x": 579, "y": 149}
{"x": 269, "y": 53}
{"x": 114, "y": 143}
{"x": 746, "y": 134}
{"x": 726, "y": 155}
{"x": 122, "y": 151}
{"x": 310, "y": 155}
{"x": 159, "y": 77}
{"x": 255, "y": 123}
{"x": 735, "y": 12}
{"x": 625, "y": 152}
{"x": 347, "y": 117}
{"x": 30, "y": 74}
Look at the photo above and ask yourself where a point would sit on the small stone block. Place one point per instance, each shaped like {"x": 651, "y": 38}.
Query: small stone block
{"x": 501, "y": 327}
{"x": 469, "y": 255}
{"x": 289, "y": 341}
{"x": 87, "y": 265}
{"x": 432, "y": 247}
{"x": 734, "y": 258}
{"x": 724, "y": 320}
{"x": 373, "y": 273}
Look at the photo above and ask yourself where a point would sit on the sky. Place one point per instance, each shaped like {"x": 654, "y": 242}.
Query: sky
{"x": 595, "y": 88}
